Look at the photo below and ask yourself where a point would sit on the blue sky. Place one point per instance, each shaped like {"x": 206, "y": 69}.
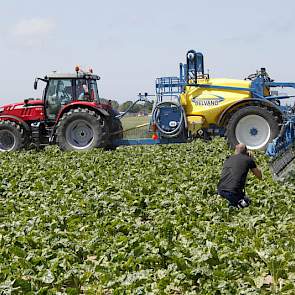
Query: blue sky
{"x": 130, "y": 43}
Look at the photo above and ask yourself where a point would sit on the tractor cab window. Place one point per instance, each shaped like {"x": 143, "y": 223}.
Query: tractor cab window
{"x": 93, "y": 90}
{"x": 86, "y": 90}
{"x": 59, "y": 93}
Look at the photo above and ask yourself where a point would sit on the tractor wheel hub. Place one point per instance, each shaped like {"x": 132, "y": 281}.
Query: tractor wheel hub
{"x": 79, "y": 134}
{"x": 8, "y": 140}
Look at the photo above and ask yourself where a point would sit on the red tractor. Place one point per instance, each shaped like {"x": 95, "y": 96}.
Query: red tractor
{"x": 70, "y": 114}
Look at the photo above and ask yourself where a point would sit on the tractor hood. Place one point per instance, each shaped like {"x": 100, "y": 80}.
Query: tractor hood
{"x": 19, "y": 105}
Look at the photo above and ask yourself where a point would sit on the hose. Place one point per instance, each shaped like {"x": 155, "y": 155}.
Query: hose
{"x": 155, "y": 116}
{"x": 128, "y": 109}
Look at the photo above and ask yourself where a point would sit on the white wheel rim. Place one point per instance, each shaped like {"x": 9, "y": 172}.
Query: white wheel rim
{"x": 7, "y": 141}
{"x": 79, "y": 134}
{"x": 253, "y": 131}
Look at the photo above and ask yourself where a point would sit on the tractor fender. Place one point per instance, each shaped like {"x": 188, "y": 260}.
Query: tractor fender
{"x": 87, "y": 106}
{"x": 18, "y": 120}
{"x": 251, "y": 101}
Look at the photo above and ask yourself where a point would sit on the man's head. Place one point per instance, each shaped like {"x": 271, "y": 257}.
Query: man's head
{"x": 60, "y": 86}
{"x": 241, "y": 149}
{"x": 85, "y": 88}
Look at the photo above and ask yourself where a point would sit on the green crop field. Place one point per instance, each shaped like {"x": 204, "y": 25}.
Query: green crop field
{"x": 141, "y": 220}
{"x": 133, "y": 121}
{"x": 130, "y": 123}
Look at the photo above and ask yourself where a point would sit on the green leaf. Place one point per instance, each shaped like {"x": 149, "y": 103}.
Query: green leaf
{"x": 48, "y": 277}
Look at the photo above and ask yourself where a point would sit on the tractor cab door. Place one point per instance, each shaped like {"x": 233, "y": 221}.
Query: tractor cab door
{"x": 86, "y": 90}
{"x": 59, "y": 93}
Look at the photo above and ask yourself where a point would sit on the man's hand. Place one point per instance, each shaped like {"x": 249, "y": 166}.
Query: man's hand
{"x": 250, "y": 154}
{"x": 257, "y": 172}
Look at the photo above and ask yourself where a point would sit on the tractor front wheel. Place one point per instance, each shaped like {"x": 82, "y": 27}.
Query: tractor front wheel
{"x": 79, "y": 130}
{"x": 253, "y": 126}
{"x": 12, "y": 137}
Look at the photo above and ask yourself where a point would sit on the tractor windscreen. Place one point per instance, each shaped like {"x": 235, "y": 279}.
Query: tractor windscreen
{"x": 59, "y": 92}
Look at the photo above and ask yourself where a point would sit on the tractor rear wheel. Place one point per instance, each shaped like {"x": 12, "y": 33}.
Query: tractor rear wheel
{"x": 79, "y": 130}
{"x": 12, "y": 136}
{"x": 253, "y": 126}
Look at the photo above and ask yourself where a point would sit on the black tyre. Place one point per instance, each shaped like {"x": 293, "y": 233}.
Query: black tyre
{"x": 12, "y": 136}
{"x": 79, "y": 130}
{"x": 252, "y": 125}
{"x": 115, "y": 131}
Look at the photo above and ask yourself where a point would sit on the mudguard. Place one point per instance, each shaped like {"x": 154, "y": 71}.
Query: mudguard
{"x": 16, "y": 119}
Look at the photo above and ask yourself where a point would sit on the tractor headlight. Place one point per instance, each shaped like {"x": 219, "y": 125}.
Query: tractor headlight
{"x": 1, "y": 110}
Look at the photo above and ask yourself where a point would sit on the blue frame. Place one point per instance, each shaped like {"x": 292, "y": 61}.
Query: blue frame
{"x": 148, "y": 141}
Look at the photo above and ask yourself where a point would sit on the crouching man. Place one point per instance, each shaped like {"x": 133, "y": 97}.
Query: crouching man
{"x": 233, "y": 177}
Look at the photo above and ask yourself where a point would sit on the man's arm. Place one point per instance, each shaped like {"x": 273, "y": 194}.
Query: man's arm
{"x": 252, "y": 165}
{"x": 257, "y": 172}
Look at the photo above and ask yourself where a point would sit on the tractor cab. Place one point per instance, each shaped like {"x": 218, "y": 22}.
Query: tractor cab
{"x": 63, "y": 89}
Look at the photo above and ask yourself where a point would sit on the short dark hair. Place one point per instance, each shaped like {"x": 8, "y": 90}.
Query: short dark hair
{"x": 241, "y": 148}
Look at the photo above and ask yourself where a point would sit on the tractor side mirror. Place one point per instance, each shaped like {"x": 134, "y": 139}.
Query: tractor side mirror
{"x": 36, "y": 84}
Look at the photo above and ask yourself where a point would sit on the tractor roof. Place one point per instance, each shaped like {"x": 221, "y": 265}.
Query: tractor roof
{"x": 79, "y": 75}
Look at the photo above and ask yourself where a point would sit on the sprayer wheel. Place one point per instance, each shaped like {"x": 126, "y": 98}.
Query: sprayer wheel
{"x": 253, "y": 126}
